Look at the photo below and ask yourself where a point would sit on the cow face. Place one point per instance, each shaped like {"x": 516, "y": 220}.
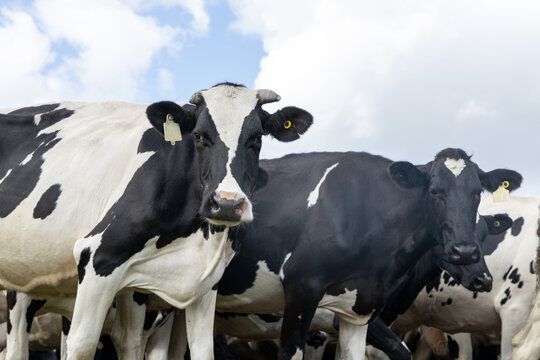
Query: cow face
{"x": 227, "y": 123}
{"x": 476, "y": 277}
{"x": 452, "y": 184}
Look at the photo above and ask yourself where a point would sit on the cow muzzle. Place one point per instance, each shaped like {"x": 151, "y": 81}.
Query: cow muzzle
{"x": 228, "y": 209}
{"x": 482, "y": 283}
{"x": 463, "y": 254}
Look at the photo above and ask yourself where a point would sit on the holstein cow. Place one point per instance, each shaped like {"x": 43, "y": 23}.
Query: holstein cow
{"x": 348, "y": 234}
{"x": 525, "y": 344}
{"x": 263, "y": 327}
{"x": 494, "y": 316}
{"x": 98, "y": 182}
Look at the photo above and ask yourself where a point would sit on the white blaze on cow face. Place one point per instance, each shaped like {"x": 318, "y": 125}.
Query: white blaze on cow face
{"x": 314, "y": 195}
{"x": 455, "y": 166}
{"x": 229, "y": 106}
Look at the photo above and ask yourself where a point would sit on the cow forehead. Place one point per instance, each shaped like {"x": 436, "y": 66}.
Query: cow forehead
{"x": 229, "y": 106}
{"x": 455, "y": 171}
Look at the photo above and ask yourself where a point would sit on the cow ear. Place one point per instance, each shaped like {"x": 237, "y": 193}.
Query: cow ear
{"x": 510, "y": 179}
{"x": 498, "y": 223}
{"x": 182, "y": 115}
{"x": 288, "y": 123}
{"x": 407, "y": 175}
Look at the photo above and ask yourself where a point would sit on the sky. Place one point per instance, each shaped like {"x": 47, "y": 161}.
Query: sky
{"x": 403, "y": 79}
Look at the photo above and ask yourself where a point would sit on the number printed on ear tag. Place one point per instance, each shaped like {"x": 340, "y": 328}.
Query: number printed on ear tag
{"x": 501, "y": 195}
{"x": 171, "y": 130}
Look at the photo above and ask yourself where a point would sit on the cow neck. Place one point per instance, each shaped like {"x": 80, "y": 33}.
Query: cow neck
{"x": 409, "y": 252}
{"x": 178, "y": 189}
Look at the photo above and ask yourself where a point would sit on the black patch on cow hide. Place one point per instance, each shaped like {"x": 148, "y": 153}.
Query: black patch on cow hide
{"x": 433, "y": 284}
{"x": 66, "y": 325}
{"x": 140, "y": 298}
{"x": 11, "y": 299}
{"x": 507, "y": 272}
{"x": 47, "y": 202}
{"x": 268, "y": 318}
{"x": 18, "y": 140}
{"x": 490, "y": 243}
{"x": 34, "y": 110}
{"x": 453, "y": 348}
{"x": 507, "y": 297}
{"x": 83, "y": 261}
{"x": 229, "y": 315}
{"x": 149, "y": 319}
{"x": 517, "y": 225}
{"x": 531, "y": 267}
{"x": 34, "y": 306}
{"x": 514, "y": 276}
{"x": 475, "y": 294}
{"x": 449, "y": 301}
{"x": 161, "y": 199}
{"x": 520, "y": 285}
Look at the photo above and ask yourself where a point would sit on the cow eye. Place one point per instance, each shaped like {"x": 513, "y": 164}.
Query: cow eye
{"x": 197, "y": 136}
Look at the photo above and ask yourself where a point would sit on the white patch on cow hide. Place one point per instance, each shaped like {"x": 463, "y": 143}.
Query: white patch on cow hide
{"x": 455, "y": 166}
{"x": 314, "y": 195}
{"x": 298, "y": 355}
{"x": 342, "y": 305}
{"x": 229, "y": 106}
{"x": 264, "y": 297}
{"x": 5, "y": 176}
{"x": 27, "y": 159}
{"x": 281, "y": 275}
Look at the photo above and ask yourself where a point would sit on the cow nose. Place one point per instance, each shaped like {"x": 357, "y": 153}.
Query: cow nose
{"x": 464, "y": 254}
{"x": 482, "y": 283}
{"x": 227, "y": 207}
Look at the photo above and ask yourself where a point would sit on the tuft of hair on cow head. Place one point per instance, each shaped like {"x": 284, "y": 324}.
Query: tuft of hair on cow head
{"x": 509, "y": 179}
{"x": 287, "y": 124}
{"x": 408, "y": 175}
{"x": 184, "y": 116}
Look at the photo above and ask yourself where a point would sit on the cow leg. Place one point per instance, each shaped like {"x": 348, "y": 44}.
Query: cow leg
{"x": 128, "y": 325}
{"x": 157, "y": 347}
{"x": 300, "y": 306}
{"x": 380, "y": 336}
{"x": 66, "y": 324}
{"x": 94, "y": 298}
{"x": 352, "y": 341}
{"x": 513, "y": 318}
{"x": 200, "y": 326}
{"x": 178, "y": 345}
{"x": 21, "y": 311}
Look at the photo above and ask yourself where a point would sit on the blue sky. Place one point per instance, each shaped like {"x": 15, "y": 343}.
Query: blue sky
{"x": 400, "y": 79}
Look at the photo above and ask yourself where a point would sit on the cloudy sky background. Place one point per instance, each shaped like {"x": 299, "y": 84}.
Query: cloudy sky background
{"x": 404, "y": 79}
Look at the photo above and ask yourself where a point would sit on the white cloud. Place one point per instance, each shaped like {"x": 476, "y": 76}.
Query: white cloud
{"x": 112, "y": 47}
{"x": 393, "y": 77}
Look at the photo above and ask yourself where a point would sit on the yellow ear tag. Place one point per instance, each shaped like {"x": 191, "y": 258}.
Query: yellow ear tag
{"x": 171, "y": 130}
{"x": 287, "y": 124}
{"x": 496, "y": 223}
{"x": 501, "y": 194}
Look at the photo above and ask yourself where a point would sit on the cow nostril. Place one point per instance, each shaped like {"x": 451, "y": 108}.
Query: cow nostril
{"x": 240, "y": 206}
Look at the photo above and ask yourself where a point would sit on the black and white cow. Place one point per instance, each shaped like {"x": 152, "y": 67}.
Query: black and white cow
{"x": 98, "y": 182}
{"x": 265, "y": 327}
{"x": 351, "y": 227}
{"x": 498, "y": 315}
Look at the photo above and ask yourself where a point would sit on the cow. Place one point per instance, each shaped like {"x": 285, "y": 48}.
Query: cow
{"x": 94, "y": 202}
{"x": 497, "y": 315}
{"x": 525, "y": 343}
{"x": 264, "y": 326}
{"x": 347, "y": 235}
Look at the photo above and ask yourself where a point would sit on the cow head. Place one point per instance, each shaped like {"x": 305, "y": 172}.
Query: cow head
{"x": 226, "y": 123}
{"x": 452, "y": 184}
{"x": 476, "y": 277}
